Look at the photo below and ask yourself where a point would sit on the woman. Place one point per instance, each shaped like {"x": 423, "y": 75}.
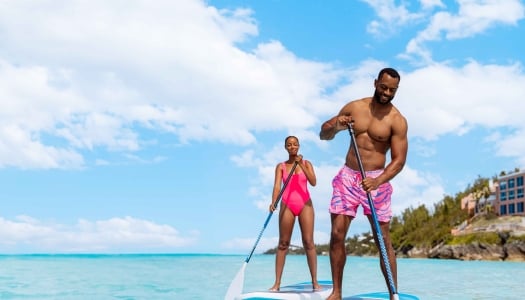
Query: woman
{"x": 295, "y": 202}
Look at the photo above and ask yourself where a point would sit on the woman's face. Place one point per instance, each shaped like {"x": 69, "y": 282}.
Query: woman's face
{"x": 291, "y": 145}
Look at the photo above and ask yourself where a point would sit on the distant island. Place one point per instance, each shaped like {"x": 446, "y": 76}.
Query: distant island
{"x": 418, "y": 233}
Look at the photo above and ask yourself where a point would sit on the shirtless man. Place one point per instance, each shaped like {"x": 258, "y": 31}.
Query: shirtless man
{"x": 379, "y": 127}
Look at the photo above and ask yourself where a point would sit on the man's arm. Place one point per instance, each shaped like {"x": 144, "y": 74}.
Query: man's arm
{"x": 336, "y": 124}
{"x": 328, "y": 129}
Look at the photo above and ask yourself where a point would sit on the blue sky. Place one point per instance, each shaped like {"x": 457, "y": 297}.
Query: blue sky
{"x": 156, "y": 126}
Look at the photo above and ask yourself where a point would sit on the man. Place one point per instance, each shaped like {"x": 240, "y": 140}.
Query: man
{"x": 379, "y": 127}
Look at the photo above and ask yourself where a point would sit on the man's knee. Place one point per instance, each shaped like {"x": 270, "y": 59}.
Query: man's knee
{"x": 337, "y": 237}
{"x": 338, "y": 234}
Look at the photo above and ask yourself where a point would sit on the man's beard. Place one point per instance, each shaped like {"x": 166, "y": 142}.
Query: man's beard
{"x": 377, "y": 99}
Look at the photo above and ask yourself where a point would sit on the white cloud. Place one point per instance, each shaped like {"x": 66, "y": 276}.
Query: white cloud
{"x": 512, "y": 146}
{"x": 391, "y": 16}
{"x": 413, "y": 188}
{"x": 473, "y": 17}
{"x": 429, "y": 4}
{"x": 92, "y": 75}
{"x": 112, "y": 235}
{"x": 439, "y": 99}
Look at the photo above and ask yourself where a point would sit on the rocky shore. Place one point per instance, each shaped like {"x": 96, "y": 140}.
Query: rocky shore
{"x": 506, "y": 249}
{"x": 513, "y": 251}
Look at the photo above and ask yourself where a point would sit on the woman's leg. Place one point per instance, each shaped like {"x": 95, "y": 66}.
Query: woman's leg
{"x": 306, "y": 223}
{"x": 286, "y": 223}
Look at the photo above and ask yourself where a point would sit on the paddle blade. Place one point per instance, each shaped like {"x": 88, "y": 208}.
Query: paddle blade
{"x": 236, "y": 285}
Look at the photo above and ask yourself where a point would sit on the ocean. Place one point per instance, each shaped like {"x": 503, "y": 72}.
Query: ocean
{"x": 199, "y": 276}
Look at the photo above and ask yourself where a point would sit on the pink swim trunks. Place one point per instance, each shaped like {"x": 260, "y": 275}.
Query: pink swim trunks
{"x": 348, "y": 194}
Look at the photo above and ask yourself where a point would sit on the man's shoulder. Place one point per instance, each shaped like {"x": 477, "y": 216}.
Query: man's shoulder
{"x": 399, "y": 120}
{"x": 364, "y": 100}
{"x": 359, "y": 102}
{"x": 397, "y": 112}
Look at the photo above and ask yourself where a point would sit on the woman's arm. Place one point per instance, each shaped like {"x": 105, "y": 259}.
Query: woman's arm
{"x": 308, "y": 170}
{"x": 276, "y": 185}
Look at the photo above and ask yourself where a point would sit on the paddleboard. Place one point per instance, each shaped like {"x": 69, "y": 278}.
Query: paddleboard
{"x": 380, "y": 296}
{"x": 298, "y": 291}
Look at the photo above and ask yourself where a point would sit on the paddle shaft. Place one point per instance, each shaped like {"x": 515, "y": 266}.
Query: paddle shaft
{"x": 271, "y": 212}
{"x": 376, "y": 226}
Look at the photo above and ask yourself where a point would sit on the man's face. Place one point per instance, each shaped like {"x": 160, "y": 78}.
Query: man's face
{"x": 386, "y": 88}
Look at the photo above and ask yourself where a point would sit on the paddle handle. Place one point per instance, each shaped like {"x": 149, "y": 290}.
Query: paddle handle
{"x": 271, "y": 212}
{"x": 379, "y": 234}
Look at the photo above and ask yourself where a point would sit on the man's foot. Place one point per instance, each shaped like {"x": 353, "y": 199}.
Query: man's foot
{"x": 274, "y": 288}
{"x": 316, "y": 287}
{"x": 334, "y": 296}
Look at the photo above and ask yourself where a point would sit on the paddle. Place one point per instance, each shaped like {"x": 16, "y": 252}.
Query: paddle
{"x": 376, "y": 227}
{"x": 237, "y": 283}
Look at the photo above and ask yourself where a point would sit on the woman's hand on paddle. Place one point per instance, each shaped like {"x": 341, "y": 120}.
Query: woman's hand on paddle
{"x": 272, "y": 208}
{"x": 299, "y": 161}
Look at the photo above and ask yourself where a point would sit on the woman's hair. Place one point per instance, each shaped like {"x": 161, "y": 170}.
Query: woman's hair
{"x": 290, "y": 137}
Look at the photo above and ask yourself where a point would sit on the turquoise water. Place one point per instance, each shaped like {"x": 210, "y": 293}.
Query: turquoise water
{"x": 183, "y": 277}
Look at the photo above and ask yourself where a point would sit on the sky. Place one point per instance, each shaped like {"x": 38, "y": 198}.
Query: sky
{"x": 155, "y": 126}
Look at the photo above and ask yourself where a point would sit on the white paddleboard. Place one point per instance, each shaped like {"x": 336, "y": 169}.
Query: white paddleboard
{"x": 380, "y": 296}
{"x": 298, "y": 291}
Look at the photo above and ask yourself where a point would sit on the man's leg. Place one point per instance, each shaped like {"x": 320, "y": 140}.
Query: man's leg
{"x": 340, "y": 225}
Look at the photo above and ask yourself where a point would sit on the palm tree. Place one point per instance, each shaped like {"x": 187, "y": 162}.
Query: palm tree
{"x": 483, "y": 192}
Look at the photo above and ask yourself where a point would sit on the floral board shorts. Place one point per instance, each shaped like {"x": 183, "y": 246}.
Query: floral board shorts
{"x": 348, "y": 194}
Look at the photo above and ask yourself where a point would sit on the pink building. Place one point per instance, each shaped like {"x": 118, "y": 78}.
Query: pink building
{"x": 468, "y": 203}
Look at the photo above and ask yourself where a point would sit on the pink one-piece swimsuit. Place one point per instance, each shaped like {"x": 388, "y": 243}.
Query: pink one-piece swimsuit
{"x": 296, "y": 193}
